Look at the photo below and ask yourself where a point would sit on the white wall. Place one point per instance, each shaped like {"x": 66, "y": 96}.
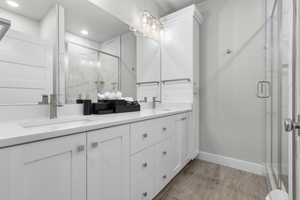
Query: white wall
{"x": 232, "y": 120}
{"x": 21, "y": 24}
{"x": 128, "y": 11}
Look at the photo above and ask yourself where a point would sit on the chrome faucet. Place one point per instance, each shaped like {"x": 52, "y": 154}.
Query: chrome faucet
{"x": 154, "y": 101}
{"x": 53, "y": 106}
{"x": 144, "y": 101}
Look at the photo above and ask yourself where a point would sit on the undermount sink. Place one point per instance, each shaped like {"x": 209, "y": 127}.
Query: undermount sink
{"x": 164, "y": 109}
{"x": 43, "y": 123}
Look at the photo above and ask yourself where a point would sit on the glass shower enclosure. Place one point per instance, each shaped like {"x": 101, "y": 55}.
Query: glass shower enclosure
{"x": 278, "y": 92}
{"x": 90, "y": 71}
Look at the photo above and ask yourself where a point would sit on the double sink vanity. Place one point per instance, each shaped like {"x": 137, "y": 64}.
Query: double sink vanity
{"x": 129, "y": 156}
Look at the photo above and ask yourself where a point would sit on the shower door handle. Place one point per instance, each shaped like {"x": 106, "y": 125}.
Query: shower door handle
{"x": 291, "y": 125}
{"x": 263, "y": 89}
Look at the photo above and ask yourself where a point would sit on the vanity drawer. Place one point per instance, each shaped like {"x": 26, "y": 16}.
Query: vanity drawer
{"x": 164, "y": 155}
{"x": 142, "y": 171}
{"x": 144, "y": 134}
{"x": 166, "y": 127}
{"x": 150, "y": 132}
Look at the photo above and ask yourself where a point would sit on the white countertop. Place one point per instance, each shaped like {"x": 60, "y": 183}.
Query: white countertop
{"x": 15, "y": 133}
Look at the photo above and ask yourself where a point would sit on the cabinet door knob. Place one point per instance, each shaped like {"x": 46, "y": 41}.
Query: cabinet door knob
{"x": 145, "y": 135}
{"x": 165, "y": 176}
{"x": 80, "y": 148}
{"x": 164, "y": 129}
{"x": 165, "y": 153}
{"x": 95, "y": 144}
{"x": 145, "y": 194}
{"x": 184, "y": 118}
{"x": 145, "y": 165}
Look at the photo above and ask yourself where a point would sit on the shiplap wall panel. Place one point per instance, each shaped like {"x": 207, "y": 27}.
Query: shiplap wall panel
{"x": 20, "y": 96}
{"x": 25, "y": 69}
{"x": 21, "y": 50}
{"x": 11, "y": 71}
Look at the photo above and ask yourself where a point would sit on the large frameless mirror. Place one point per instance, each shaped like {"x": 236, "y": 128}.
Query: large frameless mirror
{"x": 99, "y": 53}
{"x": 68, "y": 50}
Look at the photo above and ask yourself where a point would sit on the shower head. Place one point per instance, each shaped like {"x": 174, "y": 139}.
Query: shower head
{"x": 4, "y": 26}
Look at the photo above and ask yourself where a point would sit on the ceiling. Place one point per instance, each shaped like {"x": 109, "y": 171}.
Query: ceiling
{"x": 80, "y": 14}
{"x": 169, "y": 6}
{"x": 33, "y": 9}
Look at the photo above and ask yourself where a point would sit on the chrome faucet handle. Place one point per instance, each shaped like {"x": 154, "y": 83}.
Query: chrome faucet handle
{"x": 154, "y": 101}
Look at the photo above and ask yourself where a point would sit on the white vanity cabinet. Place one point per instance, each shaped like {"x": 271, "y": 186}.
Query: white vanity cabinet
{"x": 181, "y": 141}
{"x": 159, "y": 150}
{"x": 181, "y": 64}
{"x": 148, "y": 59}
{"x": 129, "y": 162}
{"x": 180, "y": 55}
{"x": 51, "y": 169}
{"x": 108, "y": 164}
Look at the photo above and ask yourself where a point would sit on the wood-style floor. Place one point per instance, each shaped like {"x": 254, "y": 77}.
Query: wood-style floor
{"x": 201, "y": 180}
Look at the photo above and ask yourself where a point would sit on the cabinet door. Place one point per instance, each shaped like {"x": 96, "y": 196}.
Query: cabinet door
{"x": 148, "y": 67}
{"x": 143, "y": 169}
{"x": 180, "y": 142}
{"x": 177, "y": 49}
{"x": 165, "y": 163}
{"x": 52, "y": 169}
{"x": 148, "y": 59}
{"x": 193, "y": 135}
{"x": 178, "y": 59}
{"x": 108, "y": 164}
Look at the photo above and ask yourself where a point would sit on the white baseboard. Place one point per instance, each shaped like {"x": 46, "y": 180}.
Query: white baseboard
{"x": 233, "y": 163}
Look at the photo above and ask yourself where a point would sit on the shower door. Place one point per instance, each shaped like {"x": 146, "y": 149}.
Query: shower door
{"x": 280, "y": 69}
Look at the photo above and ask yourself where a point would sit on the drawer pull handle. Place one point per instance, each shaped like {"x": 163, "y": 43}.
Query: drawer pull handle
{"x": 95, "y": 144}
{"x": 184, "y": 118}
{"x": 165, "y": 153}
{"x": 164, "y": 129}
{"x": 80, "y": 148}
{"x": 145, "y": 165}
{"x": 145, "y": 135}
{"x": 165, "y": 176}
{"x": 145, "y": 194}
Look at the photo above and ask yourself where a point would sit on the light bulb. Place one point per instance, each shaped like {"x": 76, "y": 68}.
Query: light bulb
{"x": 145, "y": 20}
{"x": 153, "y": 26}
{"x": 84, "y": 32}
{"x": 12, "y": 4}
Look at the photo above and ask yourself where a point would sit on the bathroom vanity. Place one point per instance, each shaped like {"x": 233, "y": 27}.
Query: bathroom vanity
{"x": 128, "y": 156}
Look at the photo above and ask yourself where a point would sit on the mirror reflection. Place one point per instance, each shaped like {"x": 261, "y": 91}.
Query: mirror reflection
{"x": 100, "y": 54}
{"x": 72, "y": 50}
{"x": 27, "y": 52}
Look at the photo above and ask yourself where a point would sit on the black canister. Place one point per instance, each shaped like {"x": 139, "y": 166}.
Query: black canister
{"x": 87, "y": 107}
